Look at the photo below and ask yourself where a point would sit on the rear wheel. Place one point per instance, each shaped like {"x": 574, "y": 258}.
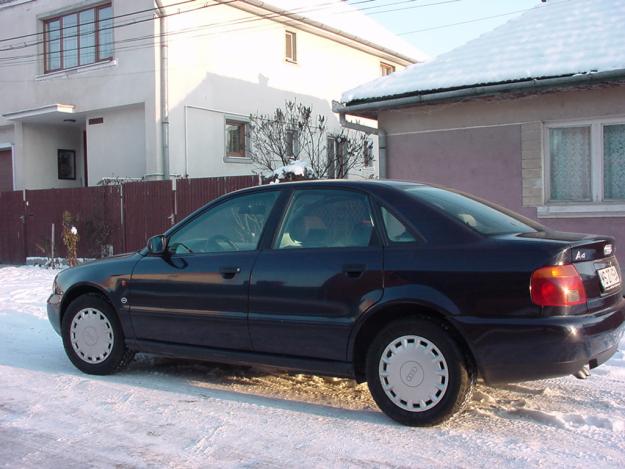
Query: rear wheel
{"x": 92, "y": 336}
{"x": 417, "y": 373}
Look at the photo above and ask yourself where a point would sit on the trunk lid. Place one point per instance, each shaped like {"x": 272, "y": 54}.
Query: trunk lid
{"x": 595, "y": 261}
{"x": 593, "y": 257}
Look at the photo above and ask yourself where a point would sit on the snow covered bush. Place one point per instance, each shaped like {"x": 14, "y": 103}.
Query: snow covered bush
{"x": 70, "y": 238}
{"x": 293, "y": 135}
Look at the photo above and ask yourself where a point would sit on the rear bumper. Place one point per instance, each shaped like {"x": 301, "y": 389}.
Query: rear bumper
{"x": 54, "y": 312}
{"x": 509, "y": 350}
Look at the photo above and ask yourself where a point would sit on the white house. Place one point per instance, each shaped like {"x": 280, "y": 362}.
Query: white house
{"x": 154, "y": 89}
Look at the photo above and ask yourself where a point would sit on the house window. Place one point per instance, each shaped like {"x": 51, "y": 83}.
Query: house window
{"x": 368, "y": 153}
{"x": 331, "y": 157}
{"x": 290, "y": 46}
{"x": 386, "y": 69}
{"x": 337, "y": 164}
{"x": 235, "y": 138}
{"x": 292, "y": 143}
{"x": 79, "y": 38}
{"x": 586, "y": 162}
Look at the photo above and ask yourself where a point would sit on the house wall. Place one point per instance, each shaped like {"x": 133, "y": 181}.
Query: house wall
{"x": 481, "y": 147}
{"x": 6, "y": 134}
{"x": 38, "y": 168}
{"x": 239, "y": 70}
{"x": 231, "y": 69}
{"x": 130, "y": 78}
{"x": 105, "y": 155}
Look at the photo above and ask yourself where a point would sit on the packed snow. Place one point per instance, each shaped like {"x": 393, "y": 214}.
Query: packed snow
{"x": 175, "y": 413}
{"x": 557, "y": 38}
{"x": 295, "y": 169}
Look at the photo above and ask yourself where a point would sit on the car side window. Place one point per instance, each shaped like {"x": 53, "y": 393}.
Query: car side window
{"x": 395, "y": 230}
{"x": 326, "y": 219}
{"x": 235, "y": 225}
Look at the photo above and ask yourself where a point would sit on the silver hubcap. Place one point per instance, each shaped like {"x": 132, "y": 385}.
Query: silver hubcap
{"x": 413, "y": 373}
{"x": 91, "y": 335}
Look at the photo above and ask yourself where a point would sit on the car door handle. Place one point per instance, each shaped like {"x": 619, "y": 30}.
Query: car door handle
{"x": 229, "y": 272}
{"x": 354, "y": 270}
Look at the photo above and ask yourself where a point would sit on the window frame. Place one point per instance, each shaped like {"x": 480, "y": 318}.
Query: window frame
{"x": 241, "y": 156}
{"x": 277, "y": 208}
{"x": 386, "y": 69}
{"x": 418, "y": 239}
{"x": 292, "y": 145}
{"x": 598, "y": 205}
{"x": 59, "y": 17}
{"x": 290, "y": 36}
{"x": 374, "y": 243}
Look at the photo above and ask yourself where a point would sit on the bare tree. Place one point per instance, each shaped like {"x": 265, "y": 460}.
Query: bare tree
{"x": 293, "y": 133}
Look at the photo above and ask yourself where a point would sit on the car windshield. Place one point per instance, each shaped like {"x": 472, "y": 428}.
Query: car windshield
{"x": 482, "y": 218}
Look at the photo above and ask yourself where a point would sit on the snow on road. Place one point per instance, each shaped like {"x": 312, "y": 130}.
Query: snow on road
{"x": 175, "y": 413}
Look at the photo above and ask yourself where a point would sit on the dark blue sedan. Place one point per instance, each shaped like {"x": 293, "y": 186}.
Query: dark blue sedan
{"x": 417, "y": 290}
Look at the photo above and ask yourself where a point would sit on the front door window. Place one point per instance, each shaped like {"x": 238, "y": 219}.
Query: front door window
{"x": 235, "y": 225}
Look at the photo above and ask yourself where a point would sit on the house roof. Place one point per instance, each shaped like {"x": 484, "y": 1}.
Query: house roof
{"x": 350, "y": 20}
{"x": 560, "y": 38}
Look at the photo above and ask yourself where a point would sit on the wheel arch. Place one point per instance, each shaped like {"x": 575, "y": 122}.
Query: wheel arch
{"x": 383, "y": 315}
{"x": 83, "y": 289}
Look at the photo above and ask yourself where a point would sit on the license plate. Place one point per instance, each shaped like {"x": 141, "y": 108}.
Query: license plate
{"x": 609, "y": 277}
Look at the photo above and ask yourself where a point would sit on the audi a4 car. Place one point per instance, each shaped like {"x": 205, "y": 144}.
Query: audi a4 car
{"x": 417, "y": 290}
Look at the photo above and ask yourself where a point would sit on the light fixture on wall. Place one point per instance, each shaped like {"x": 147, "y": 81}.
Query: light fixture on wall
{"x": 71, "y": 121}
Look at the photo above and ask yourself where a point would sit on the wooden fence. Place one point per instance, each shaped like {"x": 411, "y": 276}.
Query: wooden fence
{"x": 109, "y": 219}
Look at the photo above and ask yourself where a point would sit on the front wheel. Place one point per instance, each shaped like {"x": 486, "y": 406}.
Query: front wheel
{"x": 92, "y": 336}
{"x": 417, "y": 374}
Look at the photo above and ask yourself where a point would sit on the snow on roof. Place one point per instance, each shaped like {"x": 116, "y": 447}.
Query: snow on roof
{"x": 350, "y": 20}
{"x": 557, "y": 38}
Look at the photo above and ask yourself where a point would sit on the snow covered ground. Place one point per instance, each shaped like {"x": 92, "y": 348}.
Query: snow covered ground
{"x": 173, "y": 413}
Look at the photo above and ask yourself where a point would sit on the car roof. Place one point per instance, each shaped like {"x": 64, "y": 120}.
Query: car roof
{"x": 368, "y": 184}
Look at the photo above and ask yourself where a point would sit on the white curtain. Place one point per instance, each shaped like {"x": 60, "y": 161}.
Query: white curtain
{"x": 614, "y": 161}
{"x": 569, "y": 149}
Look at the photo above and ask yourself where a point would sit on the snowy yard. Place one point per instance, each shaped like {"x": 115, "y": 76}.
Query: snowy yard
{"x": 163, "y": 412}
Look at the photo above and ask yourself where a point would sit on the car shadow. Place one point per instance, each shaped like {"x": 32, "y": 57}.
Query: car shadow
{"x": 30, "y": 343}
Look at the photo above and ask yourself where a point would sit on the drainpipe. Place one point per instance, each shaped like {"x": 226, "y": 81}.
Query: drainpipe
{"x": 164, "y": 90}
{"x": 369, "y": 130}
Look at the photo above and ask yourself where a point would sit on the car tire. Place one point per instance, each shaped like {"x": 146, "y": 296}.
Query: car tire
{"x": 93, "y": 337}
{"x": 417, "y": 373}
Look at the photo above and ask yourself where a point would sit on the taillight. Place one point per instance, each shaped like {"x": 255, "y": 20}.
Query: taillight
{"x": 558, "y": 285}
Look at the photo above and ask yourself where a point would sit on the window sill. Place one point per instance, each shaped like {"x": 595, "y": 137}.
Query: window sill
{"x": 82, "y": 68}
{"x": 582, "y": 210}
{"x": 237, "y": 159}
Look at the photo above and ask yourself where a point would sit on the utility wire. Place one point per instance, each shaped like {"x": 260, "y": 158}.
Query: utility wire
{"x": 474, "y": 20}
{"x": 21, "y": 59}
{"x": 40, "y": 33}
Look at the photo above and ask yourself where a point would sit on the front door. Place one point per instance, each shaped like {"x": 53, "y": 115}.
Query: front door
{"x": 197, "y": 293}
{"x": 323, "y": 270}
{"x": 6, "y": 170}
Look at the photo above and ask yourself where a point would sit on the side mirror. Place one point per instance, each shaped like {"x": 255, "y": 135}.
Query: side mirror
{"x": 157, "y": 244}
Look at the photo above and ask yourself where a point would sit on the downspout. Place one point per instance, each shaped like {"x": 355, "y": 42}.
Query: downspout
{"x": 369, "y": 130}
{"x": 164, "y": 85}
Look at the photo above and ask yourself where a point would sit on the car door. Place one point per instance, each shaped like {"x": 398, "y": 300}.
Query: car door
{"x": 323, "y": 269}
{"x": 196, "y": 293}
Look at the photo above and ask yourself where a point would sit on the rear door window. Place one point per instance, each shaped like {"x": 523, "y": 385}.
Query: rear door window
{"x": 326, "y": 219}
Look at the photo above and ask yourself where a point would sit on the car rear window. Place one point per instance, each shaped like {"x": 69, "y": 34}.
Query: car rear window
{"x": 480, "y": 217}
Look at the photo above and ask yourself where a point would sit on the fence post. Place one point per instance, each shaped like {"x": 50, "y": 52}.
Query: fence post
{"x": 122, "y": 215}
{"x": 52, "y": 244}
